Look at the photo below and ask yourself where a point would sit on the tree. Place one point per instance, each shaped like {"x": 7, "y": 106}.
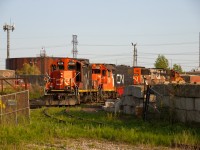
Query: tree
{"x": 177, "y": 68}
{"x": 27, "y": 69}
{"x": 161, "y": 62}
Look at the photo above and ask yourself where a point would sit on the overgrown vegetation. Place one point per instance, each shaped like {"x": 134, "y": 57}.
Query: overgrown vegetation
{"x": 7, "y": 90}
{"x": 36, "y": 91}
{"x": 115, "y": 128}
{"x": 28, "y": 69}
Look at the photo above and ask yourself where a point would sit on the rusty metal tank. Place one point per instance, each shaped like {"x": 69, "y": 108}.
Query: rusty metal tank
{"x": 43, "y": 63}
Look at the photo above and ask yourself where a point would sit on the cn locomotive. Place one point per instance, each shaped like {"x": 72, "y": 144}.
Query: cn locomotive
{"x": 72, "y": 81}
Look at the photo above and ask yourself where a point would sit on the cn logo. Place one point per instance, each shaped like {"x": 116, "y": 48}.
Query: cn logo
{"x": 120, "y": 79}
{"x": 136, "y": 79}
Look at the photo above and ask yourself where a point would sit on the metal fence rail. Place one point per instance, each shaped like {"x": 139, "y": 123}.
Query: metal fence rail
{"x": 14, "y": 108}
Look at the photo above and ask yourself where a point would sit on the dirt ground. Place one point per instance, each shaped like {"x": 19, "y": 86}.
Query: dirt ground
{"x": 88, "y": 144}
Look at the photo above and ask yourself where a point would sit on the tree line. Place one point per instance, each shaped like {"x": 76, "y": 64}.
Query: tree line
{"x": 162, "y": 62}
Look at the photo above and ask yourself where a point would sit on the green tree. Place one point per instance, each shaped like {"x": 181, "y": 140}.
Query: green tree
{"x": 177, "y": 68}
{"x": 161, "y": 62}
{"x": 27, "y": 69}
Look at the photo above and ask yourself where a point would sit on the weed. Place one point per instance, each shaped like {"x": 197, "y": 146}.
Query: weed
{"x": 36, "y": 91}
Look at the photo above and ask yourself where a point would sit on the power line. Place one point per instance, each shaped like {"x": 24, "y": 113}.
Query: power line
{"x": 162, "y": 44}
{"x": 130, "y": 34}
{"x": 110, "y": 45}
{"x": 32, "y": 48}
{"x": 168, "y": 44}
{"x": 181, "y": 53}
{"x": 173, "y": 59}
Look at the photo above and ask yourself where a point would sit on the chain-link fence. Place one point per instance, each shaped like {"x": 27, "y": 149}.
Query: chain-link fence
{"x": 14, "y": 108}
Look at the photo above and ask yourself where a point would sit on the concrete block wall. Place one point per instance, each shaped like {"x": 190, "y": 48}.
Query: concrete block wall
{"x": 183, "y": 98}
{"x": 134, "y": 90}
{"x": 133, "y": 97}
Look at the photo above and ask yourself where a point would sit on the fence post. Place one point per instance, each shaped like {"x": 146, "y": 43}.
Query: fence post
{"x": 16, "y": 109}
{"x": 28, "y": 107}
{"x": 2, "y": 86}
{"x": 1, "y": 110}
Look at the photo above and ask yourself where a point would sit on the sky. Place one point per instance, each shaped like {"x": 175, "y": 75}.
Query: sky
{"x": 105, "y": 30}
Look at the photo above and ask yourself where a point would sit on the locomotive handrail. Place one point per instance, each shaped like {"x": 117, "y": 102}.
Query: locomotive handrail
{"x": 75, "y": 77}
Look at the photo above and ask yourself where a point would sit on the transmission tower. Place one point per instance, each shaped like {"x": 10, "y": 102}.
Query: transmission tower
{"x": 75, "y": 43}
{"x": 7, "y": 28}
{"x": 134, "y": 55}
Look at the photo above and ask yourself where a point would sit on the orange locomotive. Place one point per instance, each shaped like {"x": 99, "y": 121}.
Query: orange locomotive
{"x": 64, "y": 80}
{"x": 74, "y": 80}
{"x": 103, "y": 80}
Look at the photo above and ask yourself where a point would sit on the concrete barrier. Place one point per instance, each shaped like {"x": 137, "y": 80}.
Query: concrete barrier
{"x": 128, "y": 109}
{"x": 184, "y": 99}
{"x": 136, "y": 91}
{"x": 197, "y": 104}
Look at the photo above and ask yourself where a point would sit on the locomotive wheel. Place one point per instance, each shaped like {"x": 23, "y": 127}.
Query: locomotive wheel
{"x": 73, "y": 100}
{"x": 78, "y": 99}
{"x": 87, "y": 98}
{"x": 101, "y": 97}
{"x": 49, "y": 100}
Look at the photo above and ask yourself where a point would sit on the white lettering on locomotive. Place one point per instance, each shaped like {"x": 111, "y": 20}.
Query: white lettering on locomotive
{"x": 120, "y": 79}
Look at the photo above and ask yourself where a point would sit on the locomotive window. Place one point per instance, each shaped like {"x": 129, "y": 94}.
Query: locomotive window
{"x": 53, "y": 67}
{"x": 95, "y": 71}
{"x": 61, "y": 67}
{"x": 104, "y": 72}
{"x": 108, "y": 73}
{"x": 71, "y": 67}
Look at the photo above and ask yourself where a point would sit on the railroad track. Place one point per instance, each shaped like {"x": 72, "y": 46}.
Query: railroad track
{"x": 45, "y": 112}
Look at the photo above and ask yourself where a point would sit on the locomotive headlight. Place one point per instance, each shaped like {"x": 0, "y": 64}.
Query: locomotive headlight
{"x": 61, "y": 74}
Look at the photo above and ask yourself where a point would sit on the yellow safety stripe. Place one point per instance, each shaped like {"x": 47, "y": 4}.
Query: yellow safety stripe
{"x": 82, "y": 91}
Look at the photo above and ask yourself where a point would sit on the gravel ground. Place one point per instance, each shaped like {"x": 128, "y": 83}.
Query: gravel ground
{"x": 85, "y": 144}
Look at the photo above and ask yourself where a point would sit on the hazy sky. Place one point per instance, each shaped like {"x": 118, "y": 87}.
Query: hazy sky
{"x": 105, "y": 30}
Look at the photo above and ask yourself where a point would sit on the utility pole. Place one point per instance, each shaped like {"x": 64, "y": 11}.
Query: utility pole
{"x": 134, "y": 55}
{"x": 171, "y": 63}
{"x": 75, "y": 43}
{"x": 7, "y": 28}
{"x": 199, "y": 49}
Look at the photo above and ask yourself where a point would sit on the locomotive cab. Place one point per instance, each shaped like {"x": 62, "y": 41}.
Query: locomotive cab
{"x": 65, "y": 76}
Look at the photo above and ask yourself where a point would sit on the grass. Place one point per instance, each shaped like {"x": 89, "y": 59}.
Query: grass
{"x": 116, "y": 128}
{"x": 36, "y": 91}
